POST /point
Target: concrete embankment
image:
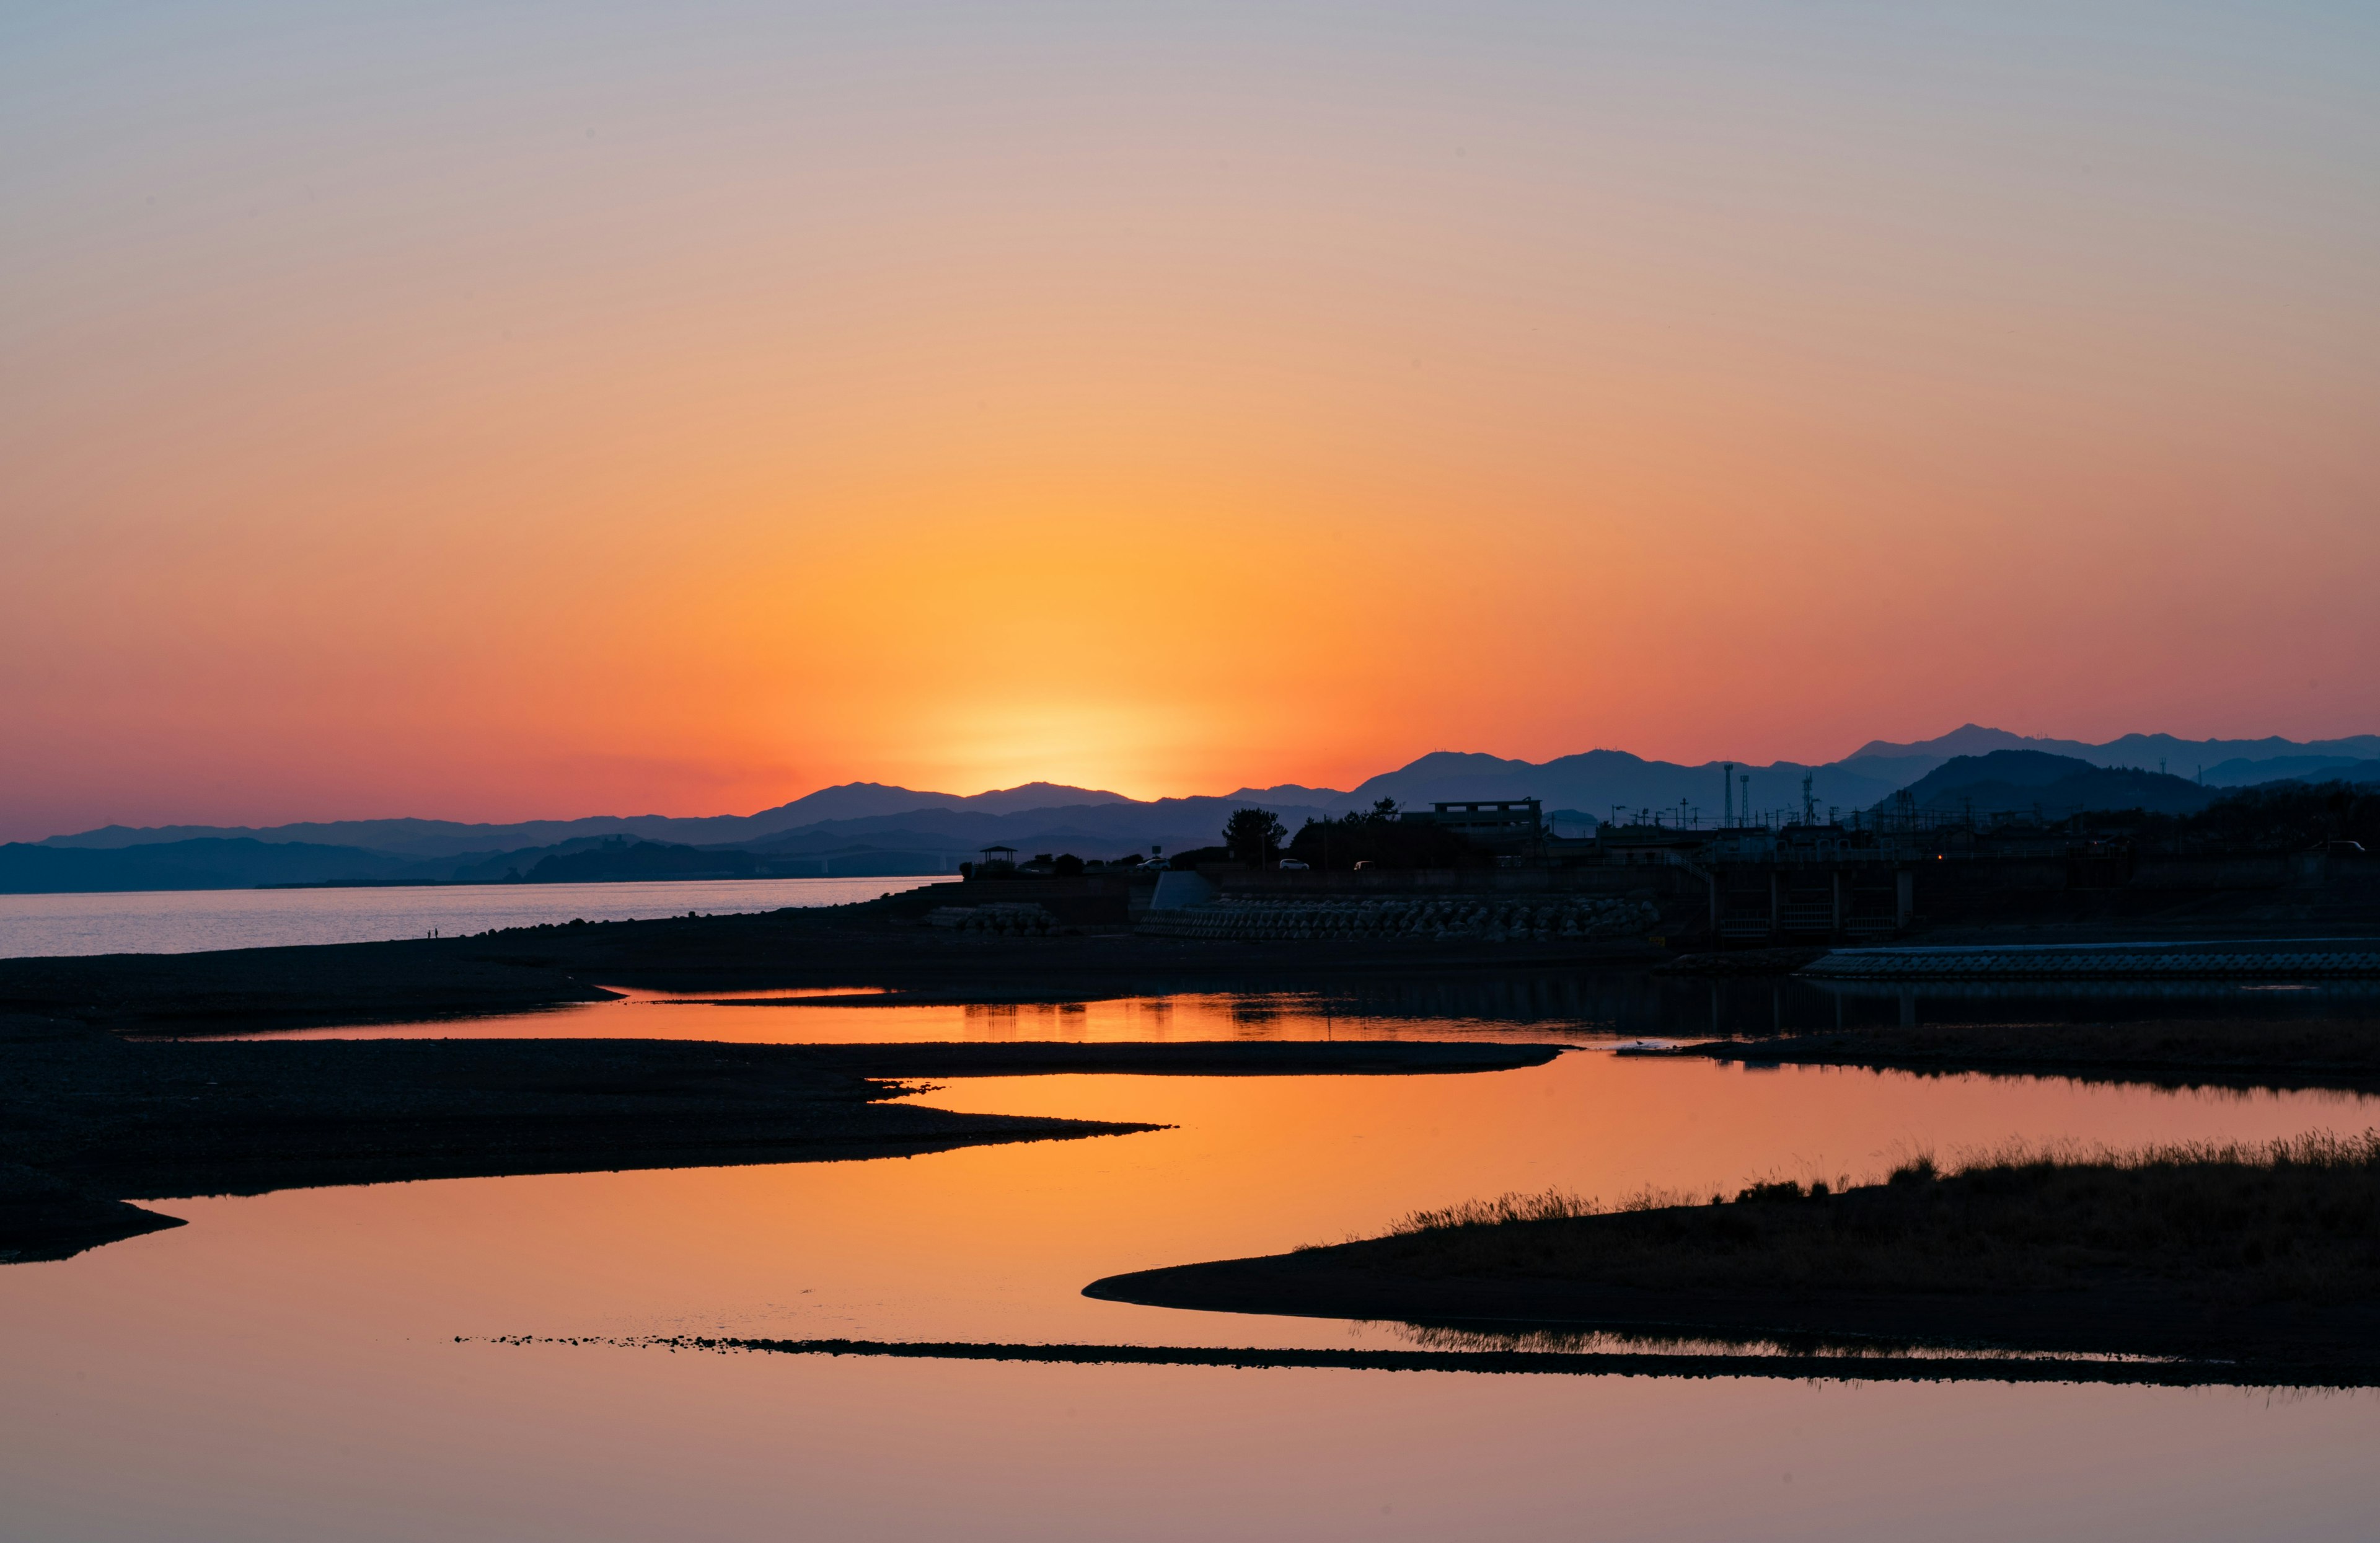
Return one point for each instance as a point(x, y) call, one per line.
point(2250, 959)
point(1491, 918)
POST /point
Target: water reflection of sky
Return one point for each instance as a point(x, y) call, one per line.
point(1525, 1005)
point(286, 1366)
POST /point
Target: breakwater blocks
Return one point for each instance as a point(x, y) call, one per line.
point(1003, 918)
point(1470, 918)
point(2248, 960)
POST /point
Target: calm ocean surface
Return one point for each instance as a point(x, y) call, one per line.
point(288, 1367)
point(186, 922)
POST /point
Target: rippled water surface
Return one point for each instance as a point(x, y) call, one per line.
point(288, 1366)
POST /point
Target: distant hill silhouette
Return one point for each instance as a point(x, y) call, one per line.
point(2019, 781)
point(2181, 756)
point(206, 863)
point(441, 838)
point(642, 859)
point(848, 827)
point(1596, 781)
point(2238, 772)
point(862, 800)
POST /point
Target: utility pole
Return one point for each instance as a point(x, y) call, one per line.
point(1727, 788)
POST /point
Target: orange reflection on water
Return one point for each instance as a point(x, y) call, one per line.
point(290, 1361)
point(865, 1015)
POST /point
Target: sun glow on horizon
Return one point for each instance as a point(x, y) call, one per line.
point(1163, 407)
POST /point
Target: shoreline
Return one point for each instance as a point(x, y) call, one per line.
point(2261, 1258)
point(1538, 1362)
point(92, 1121)
point(877, 944)
point(2341, 1053)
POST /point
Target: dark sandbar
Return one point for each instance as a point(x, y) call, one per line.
point(89, 1120)
point(2268, 1258)
point(1848, 1368)
point(2242, 1053)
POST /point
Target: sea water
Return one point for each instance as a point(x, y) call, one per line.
point(186, 921)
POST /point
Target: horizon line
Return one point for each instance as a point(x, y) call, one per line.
point(1109, 794)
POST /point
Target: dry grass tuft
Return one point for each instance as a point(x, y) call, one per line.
point(2292, 1220)
point(1551, 1204)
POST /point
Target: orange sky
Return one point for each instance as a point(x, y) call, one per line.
point(485, 418)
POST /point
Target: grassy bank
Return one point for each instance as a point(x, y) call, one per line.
point(2294, 1221)
point(2268, 1254)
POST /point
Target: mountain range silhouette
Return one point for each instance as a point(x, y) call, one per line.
point(877, 828)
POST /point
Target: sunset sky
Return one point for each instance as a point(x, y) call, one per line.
point(487, 411)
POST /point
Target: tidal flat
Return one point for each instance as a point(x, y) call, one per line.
point(2203, 1051)
point(880, 945)
point(89, 1122)
point(2248, 1260)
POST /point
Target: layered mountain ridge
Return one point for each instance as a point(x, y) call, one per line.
point(874, 828)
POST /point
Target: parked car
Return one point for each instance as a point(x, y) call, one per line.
point(1287, 863)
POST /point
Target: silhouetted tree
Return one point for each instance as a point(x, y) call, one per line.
point(2277, 817)
point(1255, 835)
point(1377, 837)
